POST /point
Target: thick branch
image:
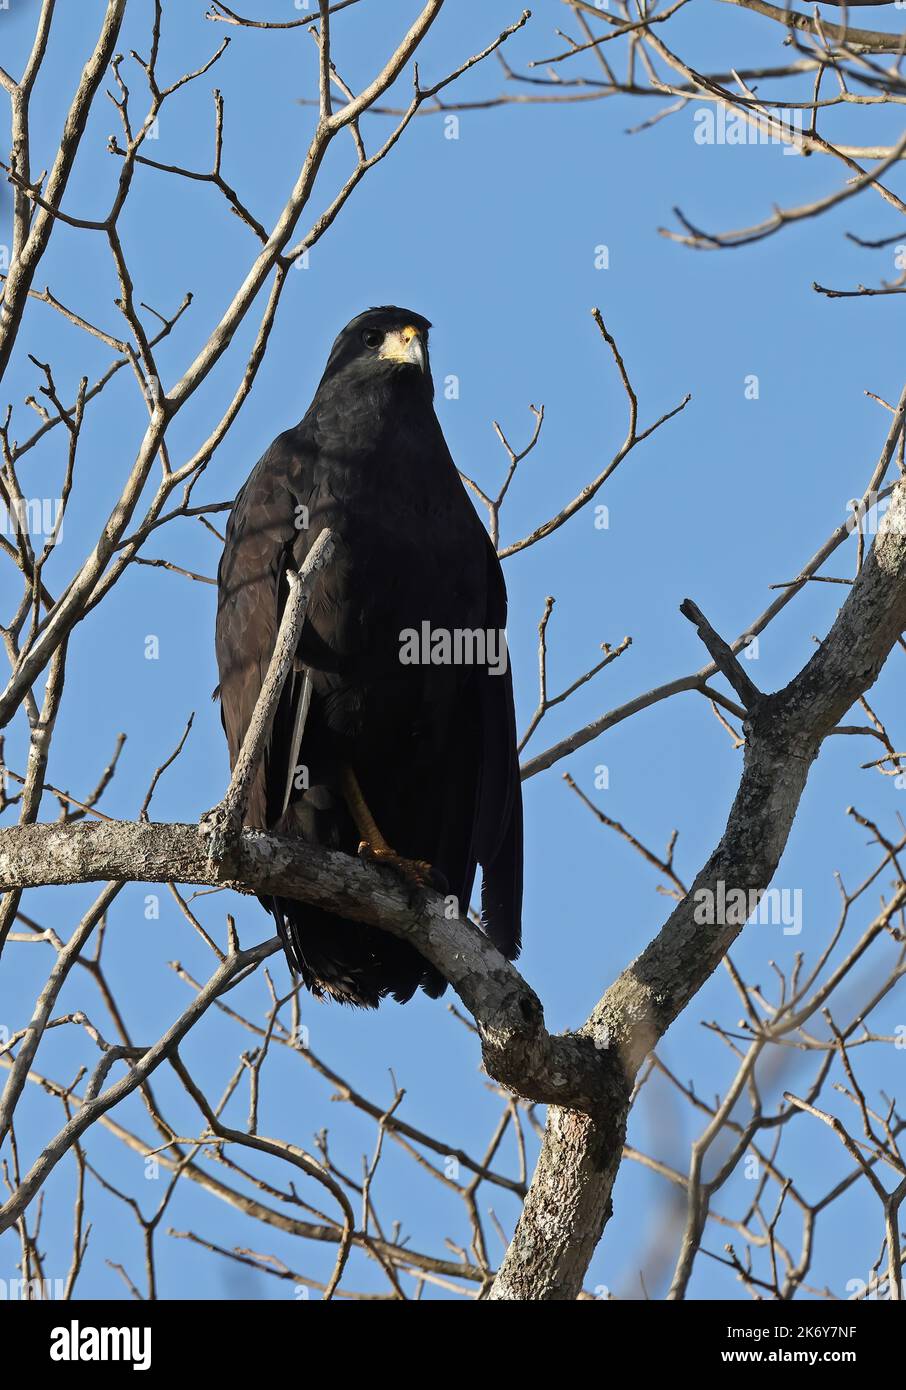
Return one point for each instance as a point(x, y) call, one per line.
point(518, 1051)
point(569, 1200)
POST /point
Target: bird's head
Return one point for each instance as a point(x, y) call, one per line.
point(386, 342)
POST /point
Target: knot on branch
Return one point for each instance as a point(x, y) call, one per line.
point(221, 829)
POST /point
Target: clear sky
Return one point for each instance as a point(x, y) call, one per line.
point(494, 237)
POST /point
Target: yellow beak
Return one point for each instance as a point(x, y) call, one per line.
point(404, 345)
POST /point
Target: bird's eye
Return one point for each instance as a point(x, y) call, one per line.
point(372, 337)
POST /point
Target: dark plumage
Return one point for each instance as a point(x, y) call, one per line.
point(432, 747)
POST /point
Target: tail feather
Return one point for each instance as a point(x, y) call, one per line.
point(501, 889)
point(351, 962)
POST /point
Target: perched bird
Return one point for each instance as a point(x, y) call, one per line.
point(401, 686)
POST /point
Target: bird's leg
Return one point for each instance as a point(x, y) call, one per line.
point(373, 846)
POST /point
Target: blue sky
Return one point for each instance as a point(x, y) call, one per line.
point(493, 237)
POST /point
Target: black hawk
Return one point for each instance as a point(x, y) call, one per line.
point(408, 751)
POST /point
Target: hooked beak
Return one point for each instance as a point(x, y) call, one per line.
point(405, 345)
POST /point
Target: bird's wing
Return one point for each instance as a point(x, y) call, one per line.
point(284, 754)
point(252, 591)
point(300, 716)
point(498, 838)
